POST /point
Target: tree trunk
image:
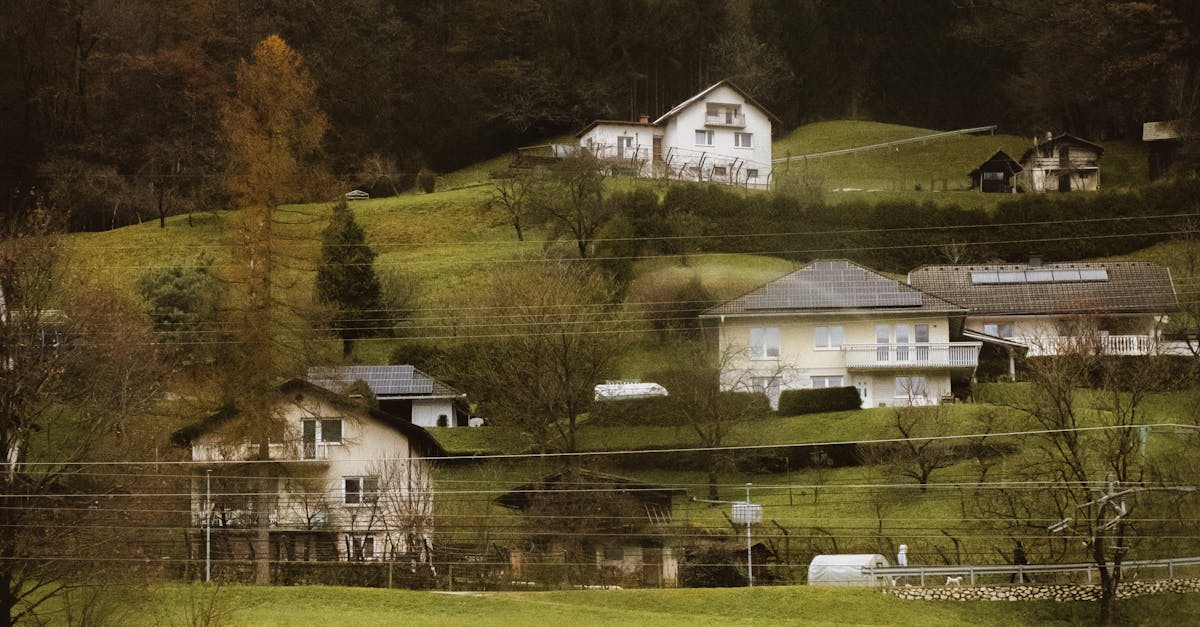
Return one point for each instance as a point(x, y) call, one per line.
point(347, 347)
point(262, 539)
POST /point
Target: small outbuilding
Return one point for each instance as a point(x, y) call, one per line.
point(996, 175)
point(1062, 163)
point(847, 570)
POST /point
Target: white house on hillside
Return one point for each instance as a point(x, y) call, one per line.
point(338, 481)
point(1062, 163)
point(402, 391)
point(834, 323)
point(721, 135)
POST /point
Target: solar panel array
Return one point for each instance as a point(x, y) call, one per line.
point(832, 285)
point(1040, 275)
point(383, 380)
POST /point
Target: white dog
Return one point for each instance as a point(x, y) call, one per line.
point(954, 581)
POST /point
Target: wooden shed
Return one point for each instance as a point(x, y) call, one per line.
point(996, 175)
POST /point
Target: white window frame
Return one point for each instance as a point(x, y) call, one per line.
point(764, 343)
point(743, 140)
point(708, 135)
point(835, 336)
point(911, 386)
point(997, 329)
point(827, 381)
point(362, 495)
point(751, 173)
point(720, 170)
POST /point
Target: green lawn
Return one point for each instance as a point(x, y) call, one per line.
point(278, 606)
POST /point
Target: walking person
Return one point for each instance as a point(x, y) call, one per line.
point(1019, 559)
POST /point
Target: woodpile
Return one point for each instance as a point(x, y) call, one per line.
point(1061, 593)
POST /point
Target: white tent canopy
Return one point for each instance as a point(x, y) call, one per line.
point(846, 570)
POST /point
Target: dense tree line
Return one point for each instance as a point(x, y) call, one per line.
point(111, 108)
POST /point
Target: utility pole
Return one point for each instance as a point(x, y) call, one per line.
point(749, 553)
point(208, 526)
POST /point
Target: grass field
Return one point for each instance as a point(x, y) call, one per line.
point(282, 607)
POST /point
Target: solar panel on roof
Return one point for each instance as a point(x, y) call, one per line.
point(383, 380)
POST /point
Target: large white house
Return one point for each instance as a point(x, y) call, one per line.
point(1116, 308)
point(721, 135)
point(834, 323)
point(337, 481)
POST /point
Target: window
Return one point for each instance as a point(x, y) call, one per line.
point(614, 553)
point(993, 176)
point(902, 352)
point(768, 386)
point(922, 336)
point(827, 382)
point(361, 490)
point(443, 421)
point(719, 170)
point(751, 173)
point(361, 548)
point(764, 343)
point(828, 337)
point(317, 433)
point(998, 329)
point(883, 336)
point(743, 140)
point(910, 387)
point(704, 138)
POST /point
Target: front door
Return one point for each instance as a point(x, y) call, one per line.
point(864, 391)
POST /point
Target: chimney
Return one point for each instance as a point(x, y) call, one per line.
point(644, 119)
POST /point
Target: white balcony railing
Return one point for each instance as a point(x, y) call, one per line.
point(910, 356)
point(736, 120)
point(291, 451)
point(1105, 344)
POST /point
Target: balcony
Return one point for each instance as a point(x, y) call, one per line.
point(292, 451)
point(1099, 344)
point(911, 356)
point(726, 120)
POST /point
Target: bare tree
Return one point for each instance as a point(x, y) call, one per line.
point(918, 453)
point(714, 398)
point(571, 201)
point(512, 195)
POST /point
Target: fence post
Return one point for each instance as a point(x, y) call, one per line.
point(391, 563)
point(972, 572)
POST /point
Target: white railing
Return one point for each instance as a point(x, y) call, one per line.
point(948, 355)
point(721, 119)
point(275, 451)
point(1106, 344)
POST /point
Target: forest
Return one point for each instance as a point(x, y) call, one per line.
point(111, 109)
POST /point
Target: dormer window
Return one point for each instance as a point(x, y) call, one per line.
point(724, 114)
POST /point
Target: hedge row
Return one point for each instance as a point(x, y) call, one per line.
point(661, 410)
point(818, 401)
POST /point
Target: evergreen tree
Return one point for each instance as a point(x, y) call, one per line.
point(346, 279)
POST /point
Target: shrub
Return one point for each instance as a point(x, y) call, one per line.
point(654, 410)
point(818, 401)
point(427, 181)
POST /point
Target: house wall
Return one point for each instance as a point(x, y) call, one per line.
point(1041, 170)
point(425, 413)
point(1039, 331)
point(601, 142)
point(799, 360)
point(680, 133)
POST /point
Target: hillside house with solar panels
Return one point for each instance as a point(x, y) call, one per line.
point(343, 482)
point(719, 135)
point(402, 391)
point(834, 323)
point(1117, 308)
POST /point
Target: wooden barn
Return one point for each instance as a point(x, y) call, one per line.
point(996, 175)
point(1061, 163)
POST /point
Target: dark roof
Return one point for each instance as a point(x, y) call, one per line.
point(832, 285)
point(1061, 139)
point(417, 437)
point(999, 162)
point(385, 381)
point(1127, 287)
point(583, 480)
point(596, 123)
point(681, 106)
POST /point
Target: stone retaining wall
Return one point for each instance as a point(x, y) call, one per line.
point(1047, 592)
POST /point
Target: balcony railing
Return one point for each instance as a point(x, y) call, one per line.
point(910, 356)
point(276, 451)
point(1104, 344)
point(733, 120)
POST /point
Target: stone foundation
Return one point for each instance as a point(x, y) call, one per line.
point(1061, 593)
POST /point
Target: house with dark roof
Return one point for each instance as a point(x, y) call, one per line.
point(402, 391)
point(336, 480)
point(835, 323)
point(720, 134)
point(609, 529)
point(1061, 163)
point(996, 175)
point(1115, 307)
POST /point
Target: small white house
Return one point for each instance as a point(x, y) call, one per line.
point(402, 391)
point(624, 390)
point(720, 135)
point(1062, 163)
